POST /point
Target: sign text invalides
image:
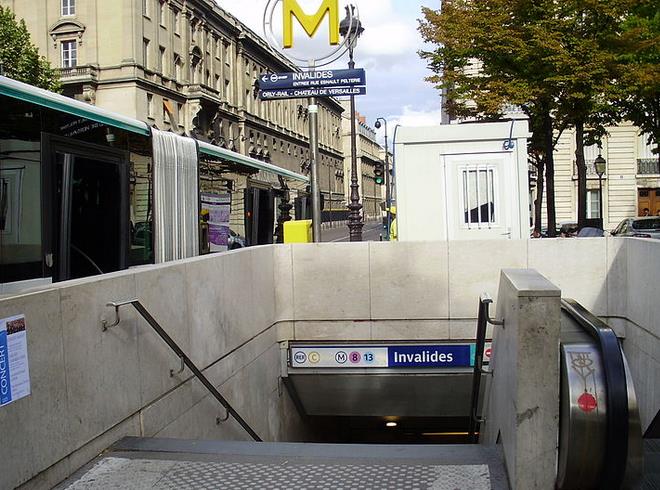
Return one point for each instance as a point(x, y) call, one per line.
point(313, 79)
point(459, 355)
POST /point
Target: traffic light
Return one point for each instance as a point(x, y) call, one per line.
point(379, 173)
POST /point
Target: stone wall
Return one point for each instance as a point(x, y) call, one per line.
point(230, 311)
point(91, 388)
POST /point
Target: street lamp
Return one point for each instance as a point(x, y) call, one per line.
point(351, 29)
point(600, 165)
point(388, 193)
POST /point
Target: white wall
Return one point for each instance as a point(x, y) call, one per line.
point(429, 186)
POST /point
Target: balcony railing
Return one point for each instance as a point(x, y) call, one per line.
point(648, 166)
point(591, 170)
point(78, 72)
point(197, 90)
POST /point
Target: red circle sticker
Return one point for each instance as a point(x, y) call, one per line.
point(488, 352)
point(587, 402)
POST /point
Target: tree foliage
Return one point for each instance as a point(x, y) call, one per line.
point(560, 62)
point(638, 80)
point(20, 58)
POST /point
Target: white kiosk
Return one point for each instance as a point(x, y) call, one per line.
point(462, 181)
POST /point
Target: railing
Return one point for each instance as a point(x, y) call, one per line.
point(78, 72)
point(648, 166)
point(616, 452)
point(482, 322)
point(591, 170)
point(185, 360)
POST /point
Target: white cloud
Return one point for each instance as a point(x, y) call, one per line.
point(387, 50)
point(410, 118)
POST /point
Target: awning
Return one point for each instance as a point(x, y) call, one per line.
point(44, 98)
point(225, 154)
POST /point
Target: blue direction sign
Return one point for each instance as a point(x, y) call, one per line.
point(313, 79)
point(311, 92)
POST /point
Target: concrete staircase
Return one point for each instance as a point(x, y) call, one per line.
point(185, 464)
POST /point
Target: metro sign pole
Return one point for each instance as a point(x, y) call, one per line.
point(315, 83)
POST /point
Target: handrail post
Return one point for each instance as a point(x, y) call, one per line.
point(482, 321)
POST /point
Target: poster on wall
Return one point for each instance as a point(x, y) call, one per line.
point(219, 208)
point(14, 368)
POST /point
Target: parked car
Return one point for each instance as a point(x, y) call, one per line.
point(648, 227)
point(590, 232)
point(234, 241)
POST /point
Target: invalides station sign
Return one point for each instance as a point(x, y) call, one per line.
point(287, 24)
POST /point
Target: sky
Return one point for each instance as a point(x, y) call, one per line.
point(387, 50)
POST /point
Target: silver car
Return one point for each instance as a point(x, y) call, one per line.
point(647, 227)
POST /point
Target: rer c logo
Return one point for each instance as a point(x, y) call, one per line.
point(310, 23)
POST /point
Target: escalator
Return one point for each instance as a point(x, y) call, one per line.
point(600, 442)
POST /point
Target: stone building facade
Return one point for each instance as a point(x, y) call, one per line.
point(368, 154)
point(631, 182)
point(185, 66)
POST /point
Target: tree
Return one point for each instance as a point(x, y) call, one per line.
point(552, 59)
point(20, 59)
point(585, 68)
point(513, 43)
point(638, 81)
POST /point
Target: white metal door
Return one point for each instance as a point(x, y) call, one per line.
point(477, 204)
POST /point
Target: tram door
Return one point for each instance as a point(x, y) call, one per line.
point(86, 217)
point(259, 216)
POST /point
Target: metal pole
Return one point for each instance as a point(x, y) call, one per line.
point(600, 201)
point(330, 195)
point(388, 192)
point(314, 164)
point(354, 219)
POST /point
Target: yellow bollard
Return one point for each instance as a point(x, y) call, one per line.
point(299, 231)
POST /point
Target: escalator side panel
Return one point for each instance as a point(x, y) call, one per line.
point(600, 445)
point(635, 465)
point(583, 422)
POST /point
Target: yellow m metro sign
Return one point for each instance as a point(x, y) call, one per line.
point(310, 23)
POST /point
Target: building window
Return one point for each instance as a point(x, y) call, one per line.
point(162, 61)
point(146, 10)
point(167, 113)
point(478, 195)
point(177, 67)
point(68, 7)
point(177, 22)
point(150, 105)
point(69, 54)
point(593, 204)
point(644, 147)
point(162, 13)
point(145, 52)
point(179, 114)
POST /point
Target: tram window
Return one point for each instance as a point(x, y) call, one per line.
point(20, 210)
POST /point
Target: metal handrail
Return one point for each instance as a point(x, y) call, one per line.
point(616, 451)
point(482, 322)
point(182, 355)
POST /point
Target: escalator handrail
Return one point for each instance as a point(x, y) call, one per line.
point(482, 322)
point(476, 376)
point(616, 451)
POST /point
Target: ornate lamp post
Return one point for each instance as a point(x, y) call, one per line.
point(388, 189)
point(351, 29)
point(601, 166)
